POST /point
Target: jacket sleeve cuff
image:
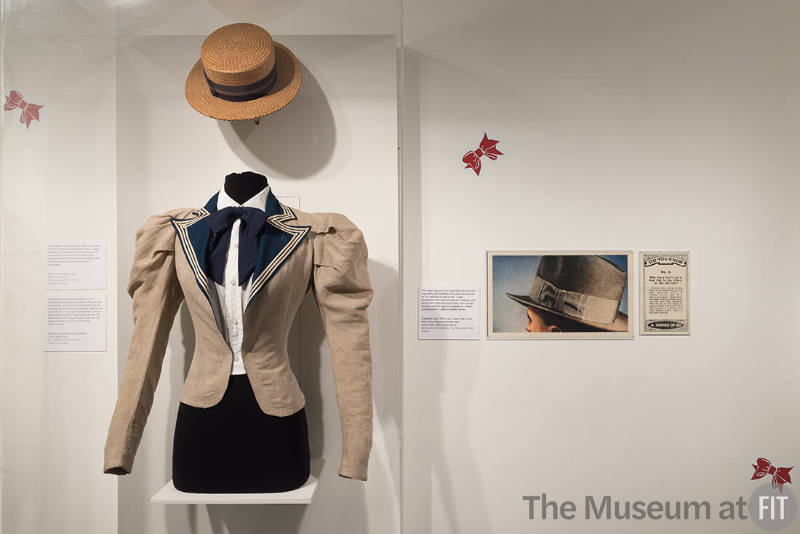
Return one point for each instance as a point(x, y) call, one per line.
point(118, 462)
point(355, 455)
point(354, 470)
point(119, 470)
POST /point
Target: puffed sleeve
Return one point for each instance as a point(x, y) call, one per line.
point(342, 288)
point(153, 286)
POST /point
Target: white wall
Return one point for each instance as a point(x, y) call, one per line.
point(58, 182)
point(626, 125)
point(118, 142)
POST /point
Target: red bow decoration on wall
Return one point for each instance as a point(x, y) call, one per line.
point(488, 148)
point(780, 475)
point(29, 111)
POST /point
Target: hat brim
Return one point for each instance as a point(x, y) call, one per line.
point(620, 323)
point(199, 96)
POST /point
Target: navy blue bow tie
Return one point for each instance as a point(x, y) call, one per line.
point(221, 222)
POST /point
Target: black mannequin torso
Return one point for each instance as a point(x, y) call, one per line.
point(233, 446)
point(242, 186)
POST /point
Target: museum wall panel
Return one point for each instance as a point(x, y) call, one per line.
point(624, 125)
point(80, 173)
point(58, 183)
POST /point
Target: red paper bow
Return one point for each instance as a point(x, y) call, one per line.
point(487, 148)
point(29, 111)
point(780, 475)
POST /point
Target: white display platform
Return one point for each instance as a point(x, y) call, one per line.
point(302, 495)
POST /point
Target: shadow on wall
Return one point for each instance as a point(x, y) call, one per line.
point(432, 488)
point(384, 344)
point(296, 141)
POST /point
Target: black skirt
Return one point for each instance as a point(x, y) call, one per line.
point(234, 447)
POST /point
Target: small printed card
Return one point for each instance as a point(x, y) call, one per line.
point(75, 264)
point(449, 312)
point(75, 321)
point(664, 293)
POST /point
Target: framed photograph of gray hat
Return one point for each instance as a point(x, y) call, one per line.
point(575, 294)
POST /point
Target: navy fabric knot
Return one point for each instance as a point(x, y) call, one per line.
point(221, 223)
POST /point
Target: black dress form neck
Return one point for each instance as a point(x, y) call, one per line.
point(242, 186)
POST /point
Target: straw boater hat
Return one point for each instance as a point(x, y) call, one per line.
point(242, 74)
point(585, 289)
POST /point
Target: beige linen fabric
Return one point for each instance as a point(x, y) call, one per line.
point(331, 261)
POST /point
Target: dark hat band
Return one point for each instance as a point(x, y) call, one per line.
point(573, 303)
point(242, 93)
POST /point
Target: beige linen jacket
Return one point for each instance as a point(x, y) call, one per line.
point(298, 251)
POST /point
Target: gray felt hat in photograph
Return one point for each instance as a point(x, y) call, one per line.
point(584, 288)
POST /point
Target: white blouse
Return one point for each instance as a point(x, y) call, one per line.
point(232, 296)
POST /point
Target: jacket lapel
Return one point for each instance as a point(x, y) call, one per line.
point(277, 242)
point(194, 234)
